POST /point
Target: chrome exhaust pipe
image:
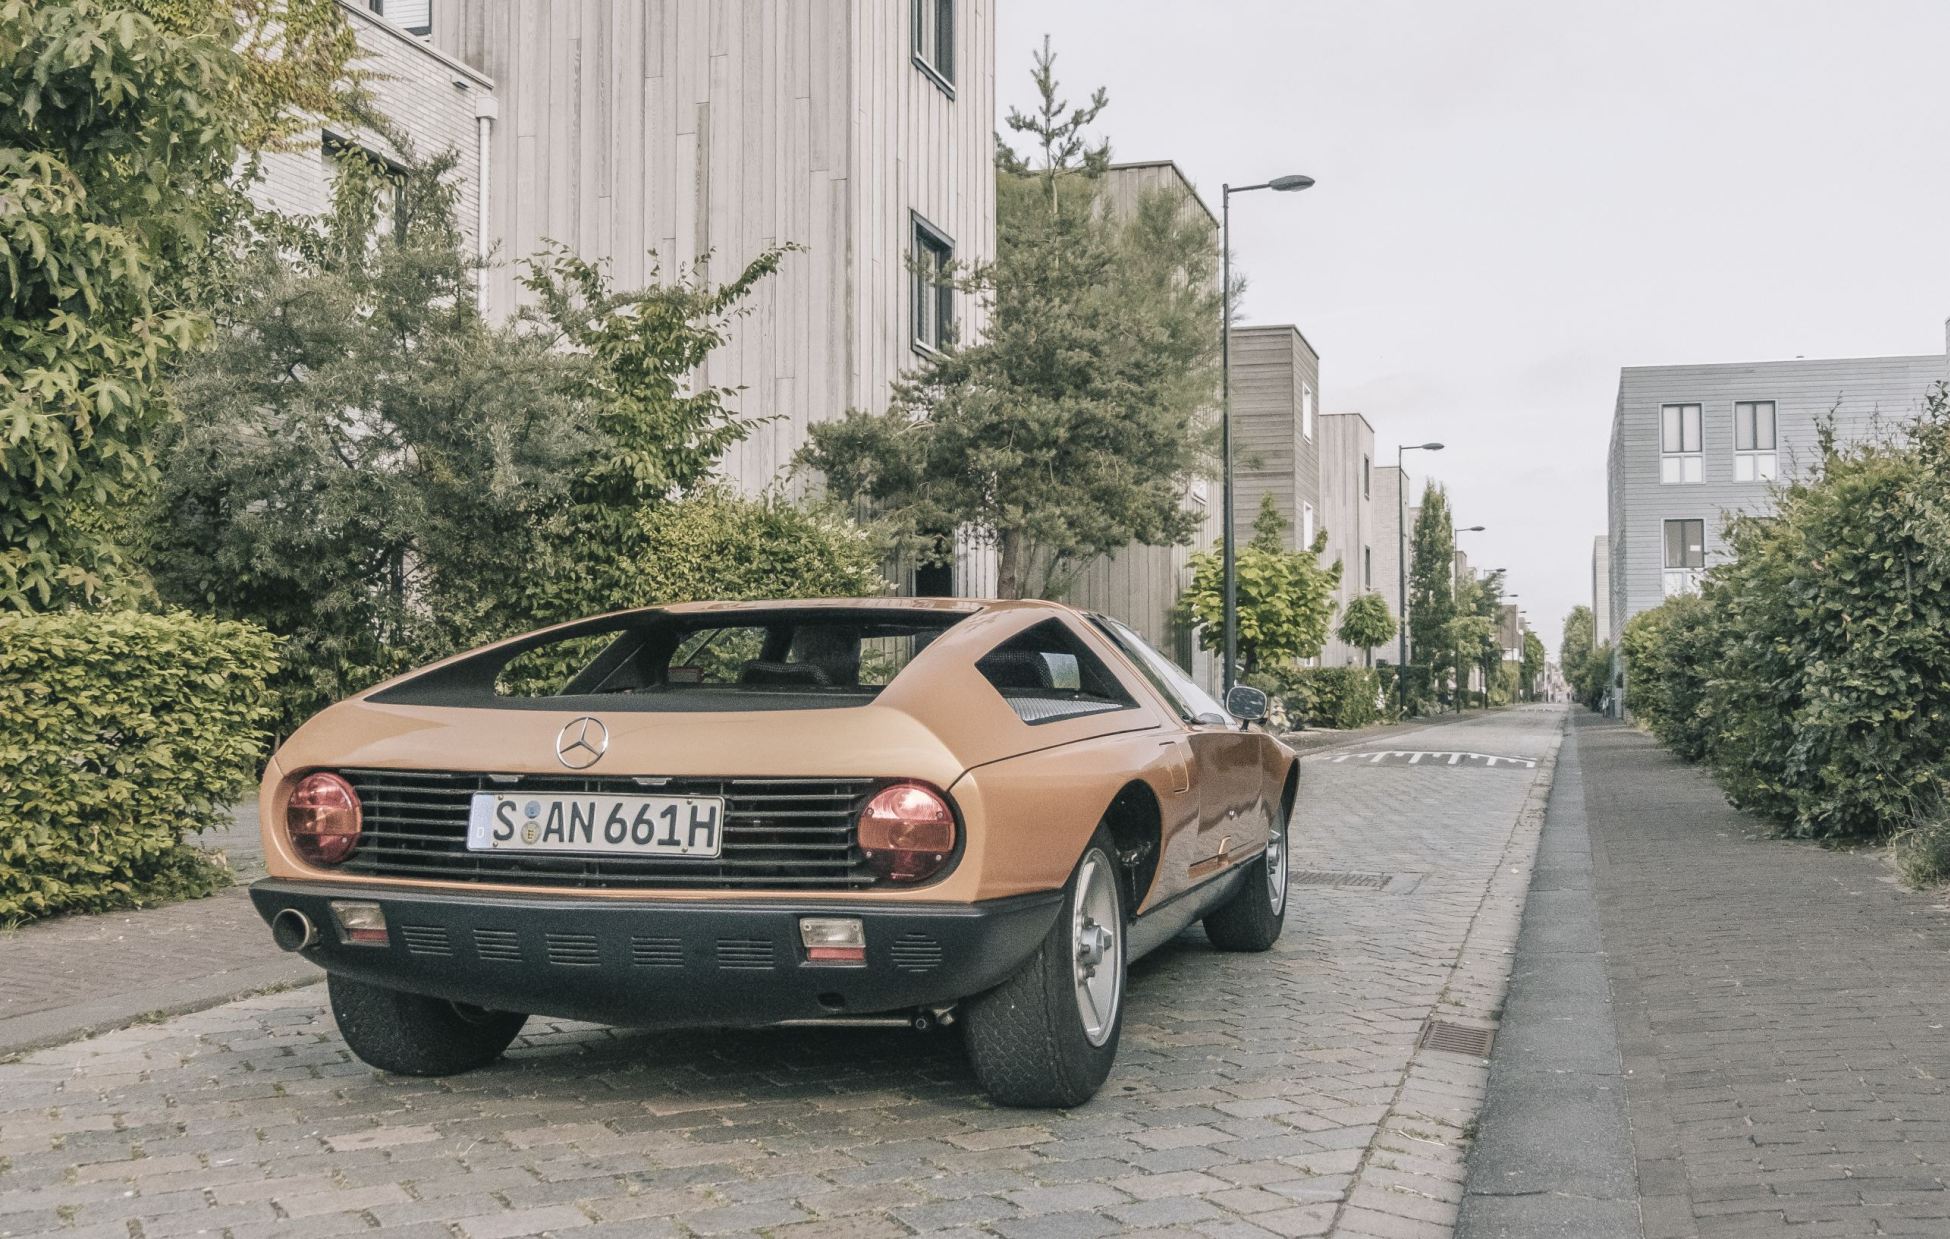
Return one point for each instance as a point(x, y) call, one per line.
point(292, 930)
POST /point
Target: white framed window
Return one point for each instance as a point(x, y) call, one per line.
point(934, 296)
point(1681, 457)
point(1367, 567)
point(1754, 455)
point(1306, 525)
point(934, 41)
point(1685, 556)
point(1306, 411)
point(414, 16)
point(1367, 479)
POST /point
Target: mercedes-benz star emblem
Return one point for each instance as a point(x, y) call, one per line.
point(581, 743)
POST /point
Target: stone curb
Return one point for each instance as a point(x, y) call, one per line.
point(57, 1025)
point(1416, 1167)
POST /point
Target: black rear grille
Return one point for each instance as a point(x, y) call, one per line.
point(795, 834)
point(916, 952)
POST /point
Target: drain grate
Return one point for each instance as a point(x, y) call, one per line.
point(1341, 880)
point(1458, 1039)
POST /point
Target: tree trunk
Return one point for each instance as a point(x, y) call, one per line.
point(1010, 554)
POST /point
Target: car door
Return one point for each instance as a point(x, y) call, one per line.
point(1225, 762)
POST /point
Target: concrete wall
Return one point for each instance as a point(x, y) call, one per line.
point(1348, 496)
point(653, 133)
point(1863, 395)
point(430, 96)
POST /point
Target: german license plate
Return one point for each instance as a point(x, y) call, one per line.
point(600, 825)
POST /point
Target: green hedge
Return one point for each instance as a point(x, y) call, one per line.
point(1340, 697)
point(1810, 675)
point(119, 732)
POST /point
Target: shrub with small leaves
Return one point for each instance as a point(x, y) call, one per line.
point(120, 733)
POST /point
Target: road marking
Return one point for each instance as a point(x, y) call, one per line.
point(1414, 757)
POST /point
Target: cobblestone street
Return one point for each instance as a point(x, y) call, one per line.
point(1282, 1094)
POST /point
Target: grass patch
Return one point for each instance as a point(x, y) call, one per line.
point(1922, 853)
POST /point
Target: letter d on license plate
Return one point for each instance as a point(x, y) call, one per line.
point(596, 825)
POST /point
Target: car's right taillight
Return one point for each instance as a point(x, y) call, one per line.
point(907, 832)
point(322, 817)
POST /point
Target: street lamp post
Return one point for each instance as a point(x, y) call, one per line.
point(1455, 591)
point(1280, 184)
point(1401, 565)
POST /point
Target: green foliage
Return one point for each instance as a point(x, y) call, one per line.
point(109, 129)
point(1580, 634)
point(366, 467)
point(717, 545)
point(1367, 622)
point(1671, 652)
point(1341, 697)
point(1285, 598)
point(1827, 707)
point(119, 733)
point(1431, 588)
point(1075, 425)
point(1591, 676)
point(1534, 660)
point(659, 432)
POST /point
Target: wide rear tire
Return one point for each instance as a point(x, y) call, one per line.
point(413, 1035)
point(1047, 1036)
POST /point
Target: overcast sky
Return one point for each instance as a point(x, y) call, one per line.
point(1516, 199)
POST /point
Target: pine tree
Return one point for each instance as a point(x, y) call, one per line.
point(1074, 426)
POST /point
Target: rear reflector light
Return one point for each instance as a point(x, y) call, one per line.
point(833, 939)
point(362, 923)
point(907, 832)
point(323, 819)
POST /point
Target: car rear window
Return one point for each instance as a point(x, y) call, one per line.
point(1047, 674)
point(789, 658)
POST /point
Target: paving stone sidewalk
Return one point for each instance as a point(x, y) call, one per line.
point(1281, 1094)
point(1781, 1017)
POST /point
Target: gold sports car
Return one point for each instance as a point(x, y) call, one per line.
point(869, 812)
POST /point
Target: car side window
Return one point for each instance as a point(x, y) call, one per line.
point(1193, 703)
point(1046, 674)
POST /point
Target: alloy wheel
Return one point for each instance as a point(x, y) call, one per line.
point(1096, 954)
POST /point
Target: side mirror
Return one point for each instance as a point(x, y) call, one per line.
point(1246, 703)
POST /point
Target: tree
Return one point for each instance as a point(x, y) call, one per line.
point(1286, 598)
point(1579, 634)
point(1431, 586)
point(716, 544)
point(1366, 623)
point(1534, 658)
point(109, 127)
point(370, 468)
point(1075, 425)
point(659, 433)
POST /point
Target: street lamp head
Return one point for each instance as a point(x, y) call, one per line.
point(1290, 184)
point(1428, 447)
point(1471, 529)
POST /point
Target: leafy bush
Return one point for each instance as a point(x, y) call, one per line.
point(1922, 852)
point(1671, 652)
point(119, 732)
point(1591, 676)
point(1339, 697)
point(717, 544)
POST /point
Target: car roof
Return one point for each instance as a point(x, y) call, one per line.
point(962, 606)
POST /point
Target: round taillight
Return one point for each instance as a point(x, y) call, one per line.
point(322, 818)
point(907, 833)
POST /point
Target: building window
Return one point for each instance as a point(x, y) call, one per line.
point(1685, 556)
point(1306, 526)
point(1367, 567)
point(1753, 441)
point(934, 296)
point(1306, 411)
point(1367, 479)
point(934, 41)
point(390, 208)
point(1680, 455)
point(413, 16)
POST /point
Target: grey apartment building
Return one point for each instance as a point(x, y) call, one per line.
point(1692, 444)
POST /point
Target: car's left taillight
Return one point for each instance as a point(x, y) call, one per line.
point(322, 817)
point(907, 832)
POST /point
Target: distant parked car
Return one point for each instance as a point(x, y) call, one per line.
point(889, 811)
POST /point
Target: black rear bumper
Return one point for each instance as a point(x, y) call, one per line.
point(667, 963)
